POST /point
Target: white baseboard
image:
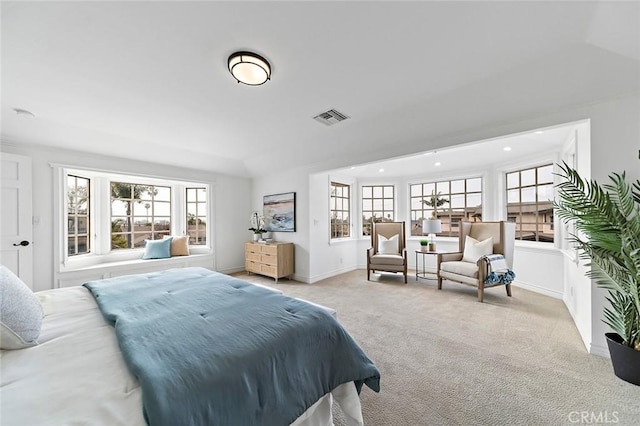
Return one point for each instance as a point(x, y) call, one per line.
point(231, 270)
point(537, 289)
point(332, 274)
point(599, 350)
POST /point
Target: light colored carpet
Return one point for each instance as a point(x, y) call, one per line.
point(446, 359)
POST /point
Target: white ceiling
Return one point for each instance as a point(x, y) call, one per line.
point(148, 80)
point(476, 157)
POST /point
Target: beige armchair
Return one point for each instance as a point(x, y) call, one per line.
point(456, 267)
point(388, 250)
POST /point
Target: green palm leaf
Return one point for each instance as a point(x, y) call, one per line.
point(607, 220)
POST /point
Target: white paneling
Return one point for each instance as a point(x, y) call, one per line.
point(117, 269)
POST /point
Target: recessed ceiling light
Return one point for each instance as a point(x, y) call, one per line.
point(353, 167)
point(539, 132)
point(381, 170)
point(437, 164)
point(429, 153)
point(506, 148)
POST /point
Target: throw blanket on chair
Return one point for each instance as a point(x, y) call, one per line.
point(497, 270)
point(210, 349)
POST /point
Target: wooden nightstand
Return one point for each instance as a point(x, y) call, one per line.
point(274, 260)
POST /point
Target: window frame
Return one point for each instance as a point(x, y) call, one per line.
point(373, 210)
point(446, 210)
point(198, 216)
point(100, 206)
point(535, 188)
point(335, 183)
point(130, 234)
point(76, 235)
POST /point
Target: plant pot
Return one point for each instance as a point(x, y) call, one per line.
point(424, 249)
point(625, 360)
point(256, 237)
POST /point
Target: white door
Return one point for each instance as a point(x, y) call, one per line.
point(16, 230)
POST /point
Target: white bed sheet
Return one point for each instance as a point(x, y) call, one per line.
point(77, 375)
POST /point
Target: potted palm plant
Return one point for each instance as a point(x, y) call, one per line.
point(607, 221)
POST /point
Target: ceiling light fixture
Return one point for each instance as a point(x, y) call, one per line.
point(506, 148)
point(381, 170)
point(437, 164)
point(249, 68)
point(539, 132)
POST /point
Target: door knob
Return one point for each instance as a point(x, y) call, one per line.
point(22, 243)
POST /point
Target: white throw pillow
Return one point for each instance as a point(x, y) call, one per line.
point(20, 312)
point(474, 249)
point(388, 245)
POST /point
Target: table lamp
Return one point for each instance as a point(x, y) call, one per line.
point(431, 227)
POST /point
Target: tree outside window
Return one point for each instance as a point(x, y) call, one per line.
point(455, 201)
point(78, 226)
point(138, 213)
point(197, 215)
point(340, 210)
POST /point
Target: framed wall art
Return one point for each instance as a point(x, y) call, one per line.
point(279, 211)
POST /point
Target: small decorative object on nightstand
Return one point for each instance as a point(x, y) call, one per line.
point(424, 246)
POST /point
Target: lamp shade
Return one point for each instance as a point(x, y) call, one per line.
point(249, 68)
point(431, 226)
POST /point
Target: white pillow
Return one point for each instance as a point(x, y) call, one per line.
point(388, 245)
point(474, 249)
point(20, 312)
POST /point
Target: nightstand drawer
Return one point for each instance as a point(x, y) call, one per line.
point(267, 259)
point(252, 267)
point(271, 271)
point(267, 249)
point(255, 257)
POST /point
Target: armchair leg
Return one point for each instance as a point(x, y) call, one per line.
point(480, 293)
point(508, 286)
point(368, 274)
point(439, 282)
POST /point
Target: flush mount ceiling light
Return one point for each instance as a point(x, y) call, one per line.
point(249, 68)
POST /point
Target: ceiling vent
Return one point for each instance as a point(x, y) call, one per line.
point(330, 117)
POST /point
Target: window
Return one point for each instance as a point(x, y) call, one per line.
point(377, 205)
point(340, 209)
point(78, 234)
point(461, 200)
point(123, 211)
point(530, 203)
point(139, 213)
point(197, 215)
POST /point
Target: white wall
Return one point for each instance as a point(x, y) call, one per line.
point(277, 183)
point(231, 195)
point(577, 289)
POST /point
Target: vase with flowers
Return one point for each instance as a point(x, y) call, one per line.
point(257, 226)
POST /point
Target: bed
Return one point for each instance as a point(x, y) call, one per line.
point(84, 371)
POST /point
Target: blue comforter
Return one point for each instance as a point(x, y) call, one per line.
point(209, 349)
